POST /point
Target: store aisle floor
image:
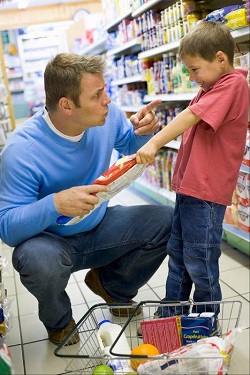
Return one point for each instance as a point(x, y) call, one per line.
point(31, 351)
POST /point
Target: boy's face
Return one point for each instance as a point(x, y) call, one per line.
point(203, 72)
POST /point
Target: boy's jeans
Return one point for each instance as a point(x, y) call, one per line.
point(194, 251)
point(127, 246)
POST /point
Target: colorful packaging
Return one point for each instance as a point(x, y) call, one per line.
point(198, 326)
point(164, 333)
point(207, 356)
point(5, 359)
point(242, 188)
point(244, 217)
point(237, 19)
point(119, 176)
point(231, 215)
point(246, 157)
point(218, 15)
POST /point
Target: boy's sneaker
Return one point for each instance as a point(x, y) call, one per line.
point(139, 330)
point(93, 281)
point(57, 337)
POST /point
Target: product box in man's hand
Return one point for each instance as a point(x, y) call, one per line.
point(198, 326)
point(164, 333)
point(119, 176)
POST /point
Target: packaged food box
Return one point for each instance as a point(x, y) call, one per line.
point(196, 326)
point(164, 333)
point(119, 176)
point(244, 217)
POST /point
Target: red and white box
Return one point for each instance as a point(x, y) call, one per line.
point(164, 333)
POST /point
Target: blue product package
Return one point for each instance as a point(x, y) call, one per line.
point(219, 14)
point(198, 326)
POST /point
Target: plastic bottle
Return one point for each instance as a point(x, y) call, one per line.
point(106, 336)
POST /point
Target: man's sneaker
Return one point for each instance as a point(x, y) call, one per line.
point(57, 337)
point(139, 330)
point(92, 280)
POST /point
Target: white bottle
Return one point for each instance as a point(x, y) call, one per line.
point(106, 336)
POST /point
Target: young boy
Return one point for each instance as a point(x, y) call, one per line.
point(214, 126)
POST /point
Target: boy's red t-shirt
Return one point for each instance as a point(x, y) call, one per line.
point(211, 152)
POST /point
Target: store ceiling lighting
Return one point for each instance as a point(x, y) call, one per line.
point(23, 4)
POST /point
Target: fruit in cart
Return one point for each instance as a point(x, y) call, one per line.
point(143, 349)
point(102, 370)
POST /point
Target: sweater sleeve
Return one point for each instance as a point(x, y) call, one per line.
point(127, 142)
point(21, 215)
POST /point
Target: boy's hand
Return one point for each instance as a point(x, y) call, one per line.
point(145, 121)
point(146, 154)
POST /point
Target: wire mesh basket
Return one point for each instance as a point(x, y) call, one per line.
point(85, 356)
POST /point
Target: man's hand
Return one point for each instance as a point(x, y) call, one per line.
point(78, 200)
point(145, 121)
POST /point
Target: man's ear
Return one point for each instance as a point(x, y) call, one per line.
point(221, 57)
point(65, 104)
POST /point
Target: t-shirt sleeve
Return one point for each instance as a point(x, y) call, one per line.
point(220, 103)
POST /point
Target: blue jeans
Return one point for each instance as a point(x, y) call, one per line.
point(194, 251)
point(127, 247)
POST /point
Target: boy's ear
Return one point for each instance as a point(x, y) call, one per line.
point(221, 57)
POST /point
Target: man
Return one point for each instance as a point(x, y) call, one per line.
point(47, 169)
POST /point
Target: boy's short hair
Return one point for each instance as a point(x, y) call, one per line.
point(206, 39)
point(63, 75)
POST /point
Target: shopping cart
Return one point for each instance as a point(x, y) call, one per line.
point(83, 357)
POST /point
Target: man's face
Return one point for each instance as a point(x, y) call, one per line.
point(203, 72)
point(93, 102)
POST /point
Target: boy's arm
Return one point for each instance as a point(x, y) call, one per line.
point(182, 122)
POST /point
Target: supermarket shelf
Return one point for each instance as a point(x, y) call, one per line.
point(16, 91)
point(95, 48)
point(37, 58)
point(150, 5)
point(124, 81)
point(113, 24)
point(130, 108)
point(170, 97)
point(159, 50)
point(15, 76)
point(133, 45)
point(245, 169)
point(44, 46)
point(241, 35)
point(237, 238)
point(162, 196)
point(173, 144)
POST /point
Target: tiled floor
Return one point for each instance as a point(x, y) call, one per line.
point(31, 351)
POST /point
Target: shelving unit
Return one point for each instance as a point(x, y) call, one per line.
point(112, 25)
point(133, 46)
point(97, 48)
point(35, 49)
point(235, 236)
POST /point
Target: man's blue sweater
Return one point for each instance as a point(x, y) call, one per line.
point(37, 163)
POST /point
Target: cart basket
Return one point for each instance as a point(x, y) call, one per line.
point(83, 357)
